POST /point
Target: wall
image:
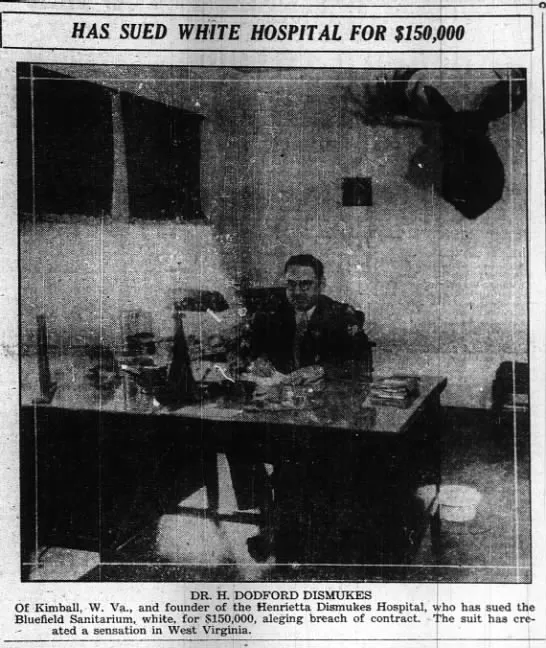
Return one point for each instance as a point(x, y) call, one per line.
point(84, 275)
point(441, 294)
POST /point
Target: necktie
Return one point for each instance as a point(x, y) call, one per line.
point(301, 328)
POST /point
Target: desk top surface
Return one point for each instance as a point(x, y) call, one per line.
point(339, 405)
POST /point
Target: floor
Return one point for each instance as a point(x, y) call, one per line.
point(187, 545)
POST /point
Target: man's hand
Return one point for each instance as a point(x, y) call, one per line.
point(262, 368)
point(306, 375)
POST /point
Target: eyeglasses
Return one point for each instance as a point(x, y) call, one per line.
point(305, 285)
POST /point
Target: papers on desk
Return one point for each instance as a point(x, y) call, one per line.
point(211, 411)
point(516, 403)
point(397, 390)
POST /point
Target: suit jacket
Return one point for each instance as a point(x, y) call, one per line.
point(328, 340)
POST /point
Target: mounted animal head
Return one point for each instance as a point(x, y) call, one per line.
point(458, 158)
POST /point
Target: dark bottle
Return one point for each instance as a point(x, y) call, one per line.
point(180, 382)
point(47, 386)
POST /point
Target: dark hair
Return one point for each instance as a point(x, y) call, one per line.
point(308, 261)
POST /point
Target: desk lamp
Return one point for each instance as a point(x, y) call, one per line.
point(181, 386)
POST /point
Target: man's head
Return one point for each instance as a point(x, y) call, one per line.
point(304, 277)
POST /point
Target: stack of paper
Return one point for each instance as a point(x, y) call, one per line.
point(394, 389)
point(516, 403)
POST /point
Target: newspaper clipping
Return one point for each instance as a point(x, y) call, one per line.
point(273, 322)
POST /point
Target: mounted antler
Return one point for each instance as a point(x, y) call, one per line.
point(386, 102)
point(472, 177)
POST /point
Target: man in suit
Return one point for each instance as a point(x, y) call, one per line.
point(307, 327)
point(303, 329)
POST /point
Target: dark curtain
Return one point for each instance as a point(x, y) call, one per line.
point(65, 127)
point(163, 149)
point(24, 140)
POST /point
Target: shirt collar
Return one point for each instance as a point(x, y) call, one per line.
point(309, 312)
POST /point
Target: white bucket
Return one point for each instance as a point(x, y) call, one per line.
point(458, 503)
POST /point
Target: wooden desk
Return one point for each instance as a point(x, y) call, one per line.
point(97, 468)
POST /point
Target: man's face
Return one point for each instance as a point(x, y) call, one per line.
point(302, 287)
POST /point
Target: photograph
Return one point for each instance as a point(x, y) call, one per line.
point(273, 323)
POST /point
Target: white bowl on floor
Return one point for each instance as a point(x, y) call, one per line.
point(458, 503)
